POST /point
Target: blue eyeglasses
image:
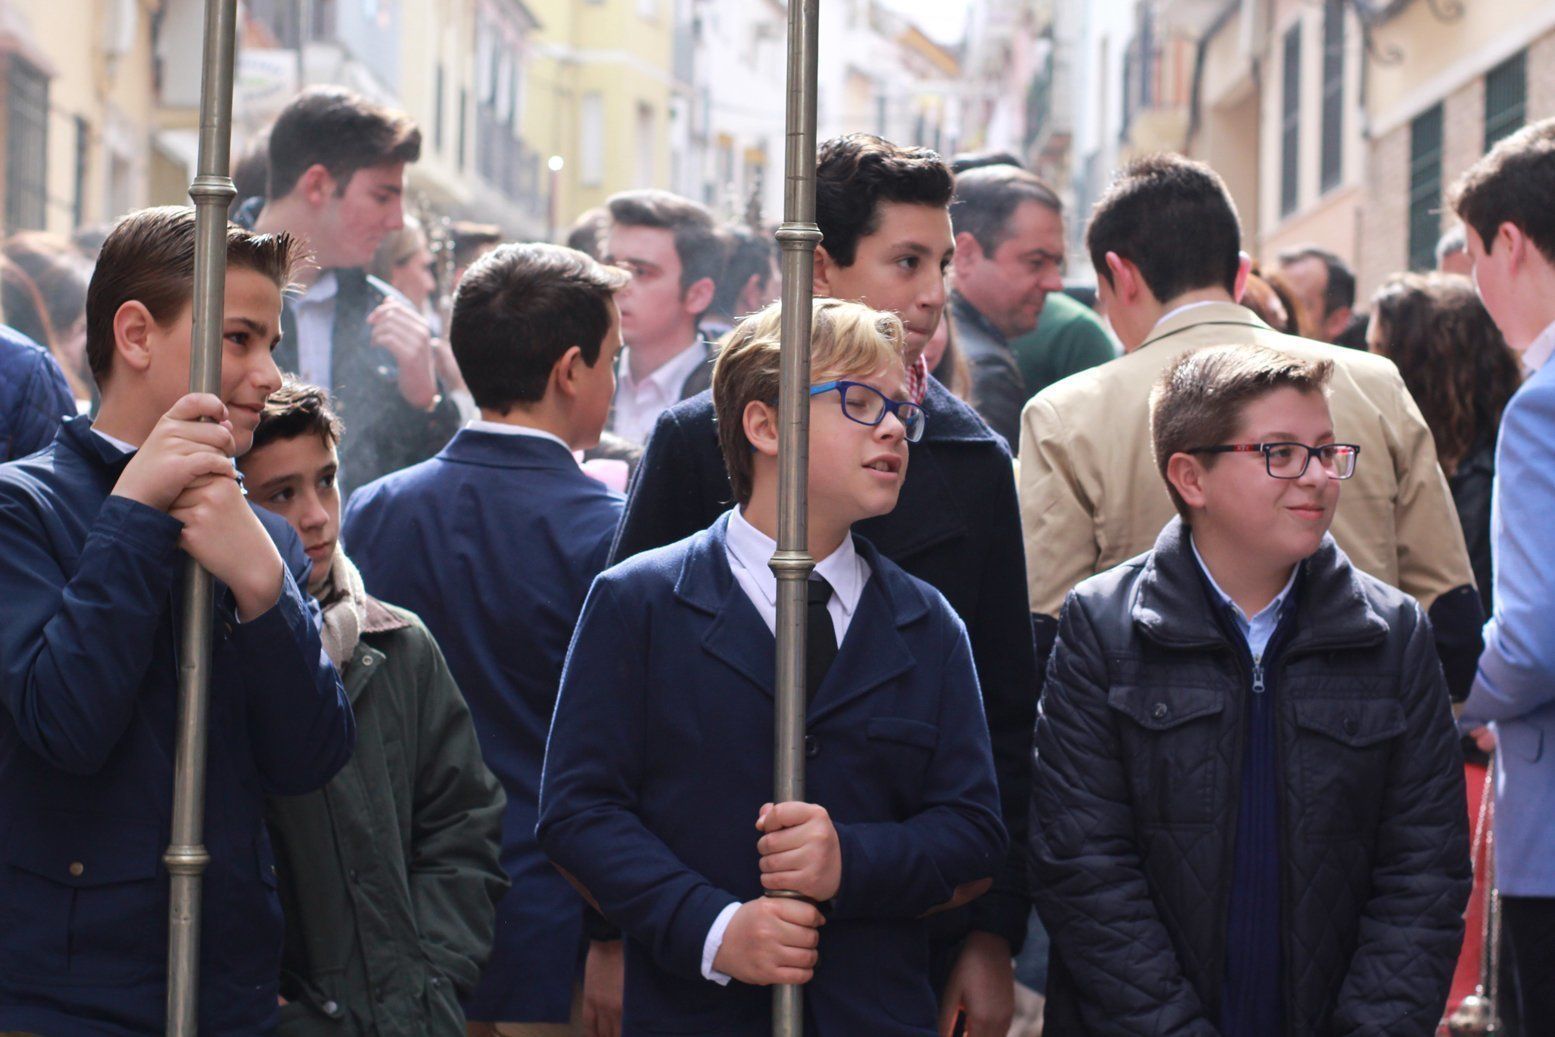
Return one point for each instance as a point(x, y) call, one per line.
point(868, 406)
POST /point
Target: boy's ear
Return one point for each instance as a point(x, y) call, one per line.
point(699, 296)
point(133, 327)
point(1125, 277)
point(567, 370)
point(1186, 474)
point(1244, 267)
point(820, 283)
point(761, 427)
point(316, 186)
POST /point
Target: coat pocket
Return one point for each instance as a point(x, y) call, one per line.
point(1171, 742)
point(1342, 751)
point(80, 895)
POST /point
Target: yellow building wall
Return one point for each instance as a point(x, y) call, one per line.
point(620, 52)
point(112, 93)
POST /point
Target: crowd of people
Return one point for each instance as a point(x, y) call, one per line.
point(1137, 624)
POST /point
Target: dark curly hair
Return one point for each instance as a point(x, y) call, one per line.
point(855, 173)
point(297, 409)
point(1453, 359)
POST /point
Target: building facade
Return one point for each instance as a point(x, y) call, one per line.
point(74, 110)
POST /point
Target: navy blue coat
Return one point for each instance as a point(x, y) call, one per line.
point(90, 592)
point(661, 755)
point(956, 527)
point(34, 396)
point(493, 543)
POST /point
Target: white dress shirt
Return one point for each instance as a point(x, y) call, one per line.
point(1258, 629)
point(1538, 352)
point(639, 404)
point(749, 550)
point(315, 313)
point(1184, 308)
point(502, 428)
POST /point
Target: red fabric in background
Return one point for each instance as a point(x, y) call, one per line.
point(1466, 978)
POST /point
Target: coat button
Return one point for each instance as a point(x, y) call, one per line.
point(367, 660)
point(812, 748)
point(1349, 725)
point(77, 869)
point(437, 981)
point(1159, 712)
point(331, 1007)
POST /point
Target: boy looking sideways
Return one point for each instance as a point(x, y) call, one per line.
point(1248, 808)
point(660, 754)
point(389, 874)
point(93, 533)
point(885, 212)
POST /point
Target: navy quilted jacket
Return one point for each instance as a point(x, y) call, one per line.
point(34, 397)
point(1139, 744)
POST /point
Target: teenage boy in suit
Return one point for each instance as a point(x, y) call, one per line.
point(93, 534)
point(660, 755)
point(885, 213)
point(389, 875)
point(1248, 808)
point(493, 543)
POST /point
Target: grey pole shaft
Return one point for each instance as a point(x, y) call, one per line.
point(186, 858)
point(792, 563)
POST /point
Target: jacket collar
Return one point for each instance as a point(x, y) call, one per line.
point(496, 450)
point(873, 652)
point(952, 420)
point(1331, 607)
point(965, 313)
point(367, 661)
point(77, 434)
point(1210, 313)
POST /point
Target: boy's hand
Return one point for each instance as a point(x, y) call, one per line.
point(405, 334)
point(604, 980)
point(800, 852)
point(223, 534)
point(771, 940)
point(192, 440)
point(981, 989)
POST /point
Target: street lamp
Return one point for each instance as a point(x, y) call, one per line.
point(554, 164)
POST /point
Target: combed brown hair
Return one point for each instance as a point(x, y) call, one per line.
point(148, 257)
point(518, 309)
point(846, 338)
point(297, 409)
point(339, 130)
point(1514, 183)
point(1452, 357)
point(1174, 219)
point(857, 173)
point(697, 241)
point(1199, 399)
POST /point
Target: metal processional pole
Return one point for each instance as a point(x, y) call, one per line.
point(212, 191)
point(792, 563)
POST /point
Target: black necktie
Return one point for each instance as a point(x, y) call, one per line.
point(820, 636)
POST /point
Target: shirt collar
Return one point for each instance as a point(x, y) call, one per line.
point(321, 291)
point(118, 444)
point(1273, 606)
point(753, 549)
point(1184, 308)
point(670, 375)
point(1538, 352)
point(502, 428)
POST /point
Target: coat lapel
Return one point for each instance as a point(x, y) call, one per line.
point(735, 633)
point(874, 650)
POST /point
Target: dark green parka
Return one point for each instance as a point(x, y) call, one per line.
point(389, 875)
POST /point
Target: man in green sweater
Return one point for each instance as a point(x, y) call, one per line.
point(1068, 338)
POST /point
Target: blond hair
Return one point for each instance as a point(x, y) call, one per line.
point(846, 338)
